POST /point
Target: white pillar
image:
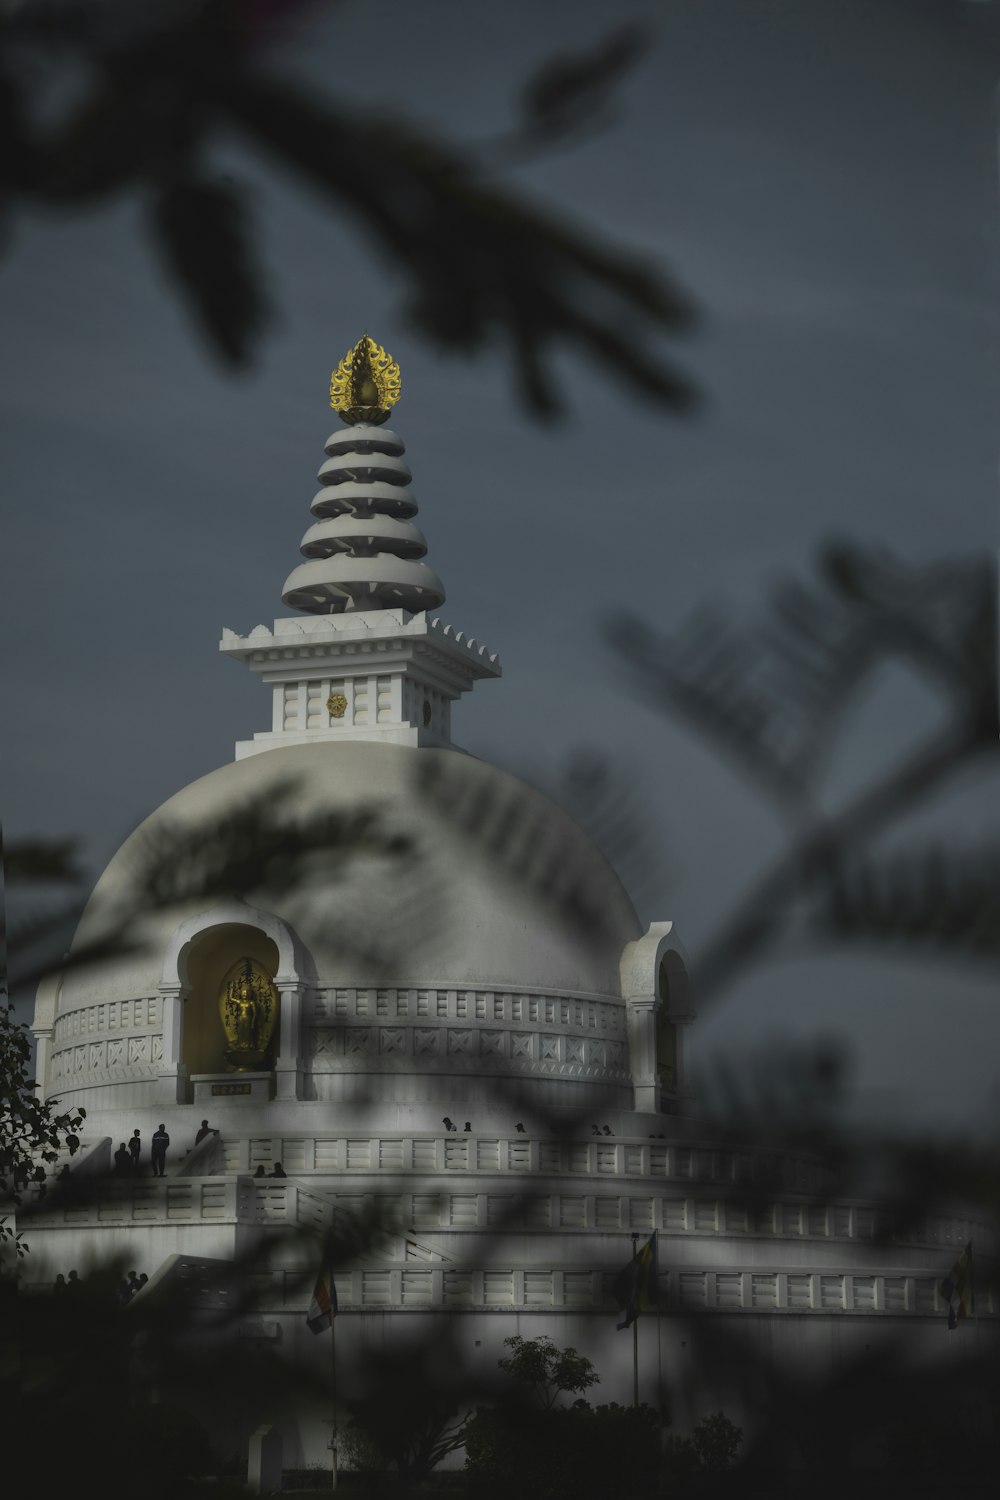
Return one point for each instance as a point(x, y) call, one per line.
point(265, 1461)
point(286, 1065)
point(642, 1052)
point(43, 1046)
point(172, 1087)
point(396, 698)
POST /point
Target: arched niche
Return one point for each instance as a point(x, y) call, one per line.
point(197, 957)
point(674, 1013)
point(210, 957)
point(673, 997)
point(655, 987)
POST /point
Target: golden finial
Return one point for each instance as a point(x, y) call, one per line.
point(365, 384)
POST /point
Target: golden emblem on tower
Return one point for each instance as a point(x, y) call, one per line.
point(248, 1008)
point(365, 384)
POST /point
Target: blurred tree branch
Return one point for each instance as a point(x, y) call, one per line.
point(42, 860)
point(250, 851)
point(569, 98)
point(165, 82)
point(772, 701)
point(31, 1129)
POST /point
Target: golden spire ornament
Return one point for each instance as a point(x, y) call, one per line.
point(365, 384)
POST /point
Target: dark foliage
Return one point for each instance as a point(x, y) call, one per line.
point(772, 699)
point(544, 1372)
point(261, 845)
point(941, 900)
point(201, 229)
point(562, 1453)
point(519, 838)
point(483, 266)
point(692, 1463)
point(607, 799)
point(411, 1437)
point(32, 1130)
point(148, 1393)
point(42, 860)
point(565, 93)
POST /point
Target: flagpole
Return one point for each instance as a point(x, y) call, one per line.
point(635, 1338)
point(333, 1391)
point(659, 1357)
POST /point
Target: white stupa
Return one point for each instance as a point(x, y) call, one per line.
point(433, 986)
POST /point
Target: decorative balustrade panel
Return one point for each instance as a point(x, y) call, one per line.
point(110, 1041)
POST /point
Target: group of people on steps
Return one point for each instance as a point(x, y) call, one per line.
point(128, 1157)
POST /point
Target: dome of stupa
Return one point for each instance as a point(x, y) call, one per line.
point(487, 890)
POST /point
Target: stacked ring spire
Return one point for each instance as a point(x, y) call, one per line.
point(363, 551)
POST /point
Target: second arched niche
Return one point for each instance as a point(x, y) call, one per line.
point(230, 971)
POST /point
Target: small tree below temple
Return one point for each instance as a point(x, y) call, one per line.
point(31, 1129)
point(546, 1371)
point(530, 1446)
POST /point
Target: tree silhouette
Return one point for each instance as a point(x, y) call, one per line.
point(483, 265)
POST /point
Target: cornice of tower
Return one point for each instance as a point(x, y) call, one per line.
point(387, 675)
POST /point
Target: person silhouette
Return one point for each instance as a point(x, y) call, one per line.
point(206, 1129)
point(279, 1170)
point(134, 1148)
point(123, 1161)
point(158, 1151)
point(134, 1284)
point(260, 1171)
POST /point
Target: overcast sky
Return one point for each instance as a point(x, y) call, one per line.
point(821, 177)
